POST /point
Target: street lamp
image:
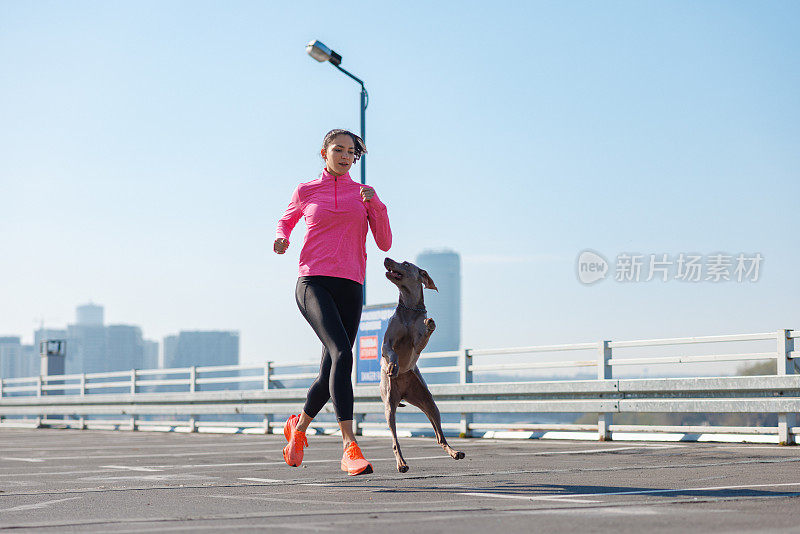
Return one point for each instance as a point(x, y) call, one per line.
point(322, 53)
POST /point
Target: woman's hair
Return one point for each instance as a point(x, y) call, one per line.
point(358, 144)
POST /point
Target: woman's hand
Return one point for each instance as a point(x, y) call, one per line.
point(280, 245)
point(367, 193)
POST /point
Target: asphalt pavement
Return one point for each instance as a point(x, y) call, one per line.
point(133, 482)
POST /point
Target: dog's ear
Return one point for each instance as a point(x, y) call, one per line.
point(426, 280)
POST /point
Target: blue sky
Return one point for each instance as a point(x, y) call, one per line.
point(147, 150)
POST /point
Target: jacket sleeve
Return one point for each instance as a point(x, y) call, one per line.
point(379, 223)
point(290, 217)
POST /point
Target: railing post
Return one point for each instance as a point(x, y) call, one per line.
point(267, 374)
point(39, 394)
point(267, 379)
point(465, 364)
point(785, 367)
point(82, 419)
point(192, 389)
point(604, 373)
point(133, 392)
point(193, 379)
point(358, 424)
point(267, 421)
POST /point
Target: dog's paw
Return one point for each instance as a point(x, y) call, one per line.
point(430, 324)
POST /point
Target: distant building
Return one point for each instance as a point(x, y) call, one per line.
point(201, 349)
point(31, 361)
point(51, 334)
point(125, 348)
point(151, 356)
point(89, 315)
point(86, 349)
point(11, 360)
point(444, 306)
point(169, 350)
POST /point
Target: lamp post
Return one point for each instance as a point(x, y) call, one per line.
point(322, 53)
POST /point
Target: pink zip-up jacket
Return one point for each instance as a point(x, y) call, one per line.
point(337, 220)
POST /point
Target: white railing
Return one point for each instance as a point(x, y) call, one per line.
point(262, 390)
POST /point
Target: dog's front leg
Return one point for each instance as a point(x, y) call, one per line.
point(391, 399)
point(424, 334)
point(390, 360)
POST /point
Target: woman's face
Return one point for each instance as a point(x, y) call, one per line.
point(339, 154)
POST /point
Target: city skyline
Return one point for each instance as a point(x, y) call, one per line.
point(94, 346)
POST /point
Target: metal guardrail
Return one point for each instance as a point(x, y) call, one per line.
point(75, 398)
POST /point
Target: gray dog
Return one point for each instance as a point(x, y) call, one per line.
point(406, 336)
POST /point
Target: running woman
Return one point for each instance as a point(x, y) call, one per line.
point(330, 288)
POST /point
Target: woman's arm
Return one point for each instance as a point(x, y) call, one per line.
point(378, 218)
point(287, 223)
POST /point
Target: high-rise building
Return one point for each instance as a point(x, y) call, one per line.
point(151, 359)
point(444, 306)
point(201, 349)
point(31, 359)
point(11, 358)
point(86, 349)
point(86, 341)
point(89, 315)
point(125, 348)
point(170, 349)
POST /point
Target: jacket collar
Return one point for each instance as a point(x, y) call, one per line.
point(328, 176)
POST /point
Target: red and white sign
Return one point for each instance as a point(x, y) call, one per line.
point(368, 348)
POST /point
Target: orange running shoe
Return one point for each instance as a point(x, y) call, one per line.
point(293, 452)
point(353, 461)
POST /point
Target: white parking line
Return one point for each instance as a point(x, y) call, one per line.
point(679, 490)
point(583, 451)
point(322, 500)
point(22, 459)
point(129, 468)
point(576, 496)
point(565, 498)
point(38, 506)
point(262, 479)
point(259, 451)
point(149, 478)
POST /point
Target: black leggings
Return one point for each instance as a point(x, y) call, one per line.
point(332, 306)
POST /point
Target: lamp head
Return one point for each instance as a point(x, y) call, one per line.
point(322, 53)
